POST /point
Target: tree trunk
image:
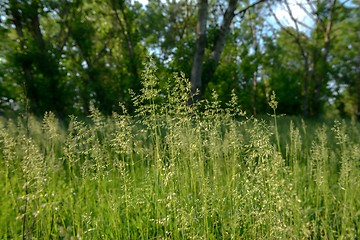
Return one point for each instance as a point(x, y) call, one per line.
point(43, 93)
point(221, 39)
point(255, 93)
point(315, 77)
point(126, 32)
point(197, 76)
point(306, 88)
point(321, 67)
point(255, 74)
point(358, 89)
point(197, 66)
point(26, 66)
point(35, 26)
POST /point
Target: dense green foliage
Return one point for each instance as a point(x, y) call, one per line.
point(171, 172)
point(64, 56)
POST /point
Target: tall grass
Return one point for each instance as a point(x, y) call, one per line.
point(175, 172)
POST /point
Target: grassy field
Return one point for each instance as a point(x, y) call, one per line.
point(171, 172)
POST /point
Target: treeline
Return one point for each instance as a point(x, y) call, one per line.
point(64, 56)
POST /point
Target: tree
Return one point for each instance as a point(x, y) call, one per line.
point(325, 15)
point(283, 72)
point(66, 55)
point(36, 56)
point(201, 28)
point(167, 32)
point(345, 61)
point(314, 49)
point(197, 77)
point(125, 22)
point(301, 41)
point(73, 53)
point(10, 90)
point(252, 32)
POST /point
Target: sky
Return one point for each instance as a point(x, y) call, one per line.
point(282, 14)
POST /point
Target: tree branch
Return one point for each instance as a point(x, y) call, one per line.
point(310, 15)
point(292, 17)
point(243, 11)
point(281, 25)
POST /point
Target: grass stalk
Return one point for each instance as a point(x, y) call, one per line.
point(173, 172)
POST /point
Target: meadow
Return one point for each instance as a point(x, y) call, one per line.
point(175, 172)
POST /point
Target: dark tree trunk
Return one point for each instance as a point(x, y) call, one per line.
point(321, 59)
point(255, 74)
point(26, 66)
point(126, 32)
point(316, 80)
point(221, 39)
point(197, 66)
point(35, 26)
point(358, 88)
point(306, 87)
point(254, 93)
point(46, 97)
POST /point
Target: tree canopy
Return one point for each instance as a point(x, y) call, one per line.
point(64, 56)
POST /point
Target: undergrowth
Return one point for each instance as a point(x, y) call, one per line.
point(175, 172)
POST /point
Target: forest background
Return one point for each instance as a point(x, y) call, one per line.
point(64, 56)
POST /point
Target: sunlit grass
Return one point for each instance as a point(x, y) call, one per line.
point(172, 172)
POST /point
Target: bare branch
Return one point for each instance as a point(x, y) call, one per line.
point(304, 25)
point(280, 24)
point(243, 11)
point(292, 16)
point(310, 14)
point(297, 36)
point(343, 3)
point(313, 9)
